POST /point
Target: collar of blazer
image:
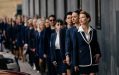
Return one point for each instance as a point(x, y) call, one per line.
point(80, 29)
point(90, 30)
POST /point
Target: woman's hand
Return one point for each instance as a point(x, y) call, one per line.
point(54, 63)
point(40, 61)
point(45, 56)
point(67, 60)
point(97, 58)
point(76, 68)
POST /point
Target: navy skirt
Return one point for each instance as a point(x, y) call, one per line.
point(89, 69)
point(61, 67)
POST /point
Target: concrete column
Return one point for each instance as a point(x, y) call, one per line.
point(25, 7)
point(89, 6)
point(36, 7)
point(50, 7)
point(117, 5)
point(86, 5)
point(114, 29)
point(92, 12)
point(72, 5)
point(117, 36)
point(43, 8)
point(31, 8)
point(68, 5)
point(60, 9)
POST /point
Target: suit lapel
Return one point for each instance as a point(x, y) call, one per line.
point(91, 35)
point(84, 37)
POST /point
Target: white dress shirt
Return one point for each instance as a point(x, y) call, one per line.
point(87, 35)
point(57, 42)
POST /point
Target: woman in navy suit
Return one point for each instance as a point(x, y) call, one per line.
point(58, 48)
point(86, 48)
point(74, 16)
point(40, 47)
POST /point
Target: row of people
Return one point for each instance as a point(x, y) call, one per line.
point(65, 48)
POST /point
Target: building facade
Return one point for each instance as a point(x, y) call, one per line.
point(8, 7)
point(104, 15)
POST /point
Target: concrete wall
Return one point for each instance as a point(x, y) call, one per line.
point(37, 7)
point(51, 7)
point(60, 9)
point(25, 7)
point(31, 8)
point(8, 7)
point(45, 8)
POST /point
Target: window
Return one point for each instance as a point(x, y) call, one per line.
point(19, 9)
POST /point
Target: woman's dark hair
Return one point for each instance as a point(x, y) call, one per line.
point(52, 16)
point(60, 21)
point(87, 14)
point(68, 13)
point(77, 11)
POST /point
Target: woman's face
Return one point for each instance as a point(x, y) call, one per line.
point(83, 19)
point(58, 26)
point(47, 24)
point(41, 26)
point(30, 23)
point(75, 18)
point(34, 23)
point(52, 21)
point(69, 19)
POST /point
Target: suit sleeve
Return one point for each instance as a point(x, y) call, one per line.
point(52, 49)
point(75, 49)
point(67, 43)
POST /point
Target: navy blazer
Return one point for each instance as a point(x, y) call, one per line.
point(31, 39)
point(47, 37)
point(26, 34)
point(69, 42)
point(20, 30)
point(69, 39)
point(40, 44)
point(12, 33)
point(84, 51)
point(62, 44)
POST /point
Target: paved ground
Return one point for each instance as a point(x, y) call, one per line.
point(25, 67)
